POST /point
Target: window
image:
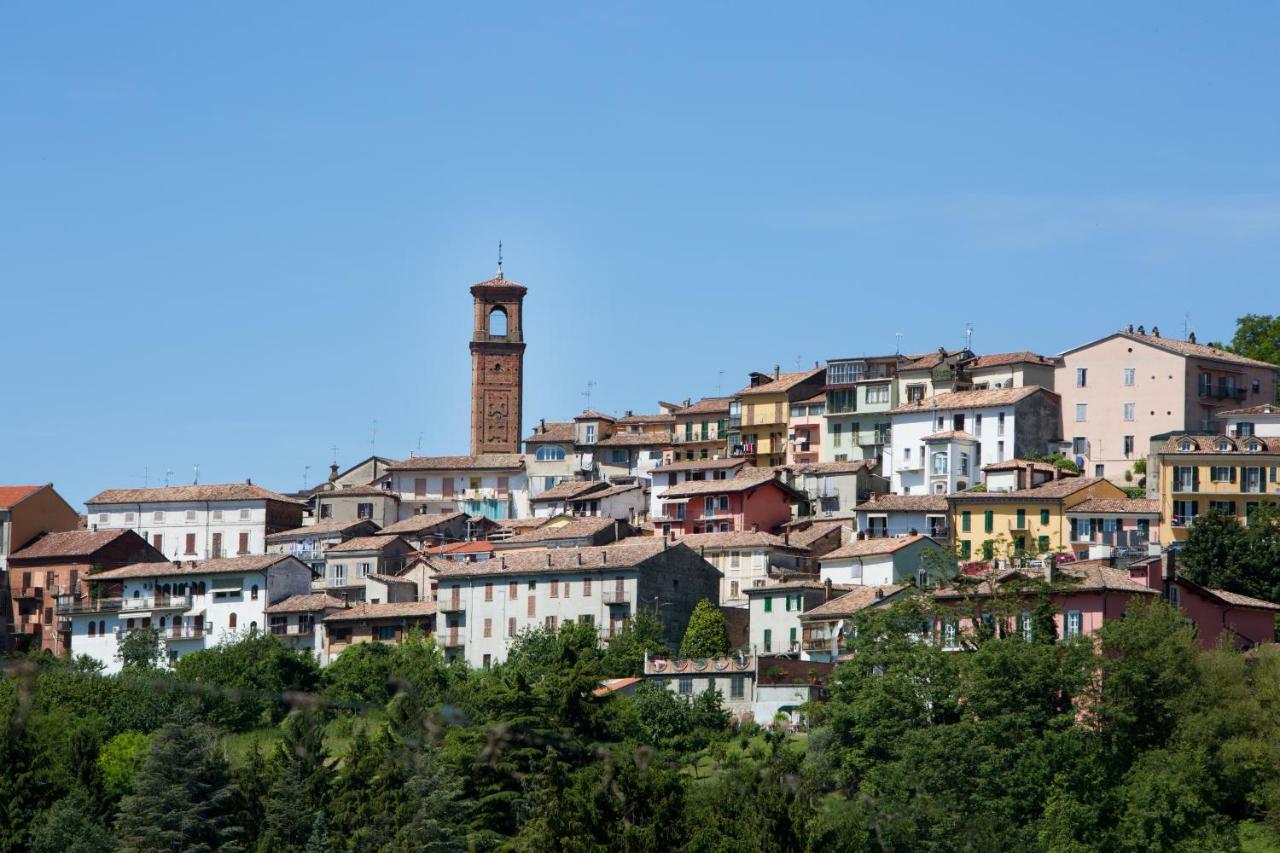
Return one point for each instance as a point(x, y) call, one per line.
point(735, 559)
point(940, 463)
point(591, 434)
point(253, 592)
point(1073, 624)
point(1082, 412)
point(1128, 411)
point(244, 514)
point(1022, 520)
point(966, 519)
point(737, 685)
point(733, 589)
point(988, 521)
point(550, 453)
point(128, 518)
point(326, 510)
point(191, 544)
point(1184, 513)
point(1082, 377)
point(488, 627)
point(103, 517)
point(999, 451)
point(531, 607)
point(791, 640)
point(1185, 478)
point(768, 604)
point(555, 588)
point(1042, 543)
point(1128, 446)
point(685, 685)
point(915, 393)
point(836, 434)
point(231, 621)
point(988, 549)
point(768, 637)
point(878, 394)
point(977, 424)
point(1080, 445)
point(1175, 596)
point(1205, 385)
point(1128, 376)
point(757, 560)
point(1026, 624)
point(511, 626)
point(244, 543)
point(386, 633)
point(950, 633)
point(1100, 470)
point(586, 587)
point(191, 515)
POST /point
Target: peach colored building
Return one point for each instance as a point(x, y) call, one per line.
point(1120, 390)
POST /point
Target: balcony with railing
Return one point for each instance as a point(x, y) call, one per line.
point(28, 591)
point(159, 602)
point(186, 632)
point(293, 630)
point(615, 596)
point(818, 640)
point(450, 605)
point(452, 639)
point(70, 605)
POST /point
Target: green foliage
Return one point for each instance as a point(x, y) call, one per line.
point(1257, 336)
point(1057, 460)
point(140, 650)
point(1221, 554)
point(662, 717)
point(184, 798)
point(707, 634)
point(119, 761)
point(245, 681)
point(624, 655)
point(1136, 492)
point(69, 826)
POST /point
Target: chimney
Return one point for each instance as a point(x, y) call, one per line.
point(579, 558)
point(1142, 330)
point(542, 425)
point(502, 562)
point(548, 559)
point(1129, 328)
point(1155, 331)
point(333, 472)
point(248, 482)
point(879, 593)
point(777, 371)
point(862, 534)
point(826, 590)
point(627, 413)
point(604, 558)
point(913, 532)
point(786, 538)
point(1191, 338)
point(1051, 569)
point(755, 528)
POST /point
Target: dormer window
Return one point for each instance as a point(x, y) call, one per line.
point(1255, 446)
point(1223, 446)
point(1186, 446)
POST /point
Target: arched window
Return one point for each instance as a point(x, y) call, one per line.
point(498, 322)
point(253, 626)
point(102, 626)
point(253, 592)
point(550, 453)
point(231, 621)
point(161, 623)
point(93, 626)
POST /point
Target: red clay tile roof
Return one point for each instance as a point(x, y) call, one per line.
point(971, 399)
point(1016, 464)
point(1000, 359)
point(369, 491)
point(611, 685)
point(184, 494)
point(479, 462)
point(1051, 490)
point(570, 489)
point(590, 415)
point(784, 382)
point(874, 547)
point(631, 554)
point(699, 465)
point(656, 418)
point(324, 527)
point(858, 598)
point(71, 543)
point(905, 503)
point(1086, 576)
point(378, 542)
point(557, 431)
point(951, 435)
point(387, 610)
point(478, 546)
point(12, 495)
point(928, 360)
point(306, 603)
point(576, 528)
point(808, 536)
point(422, 523)
point(706, 406)
point(230, 565)
point(1135, 506)
point(1209, 444)
point(499, 281)
point(1186, 348)
point(636, 439)
point(738, 539)
point(1235, 599)
point(694, 488)
point(1264, 409)
point(818, 469)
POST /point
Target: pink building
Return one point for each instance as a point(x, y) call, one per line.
point(1088, 594)
point(804, 430)
point(754, 500)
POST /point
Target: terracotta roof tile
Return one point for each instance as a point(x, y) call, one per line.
point(324, 527)
point(1264, 409)
point(570, 489)
point(971, 399)
point(706, 406)
point(368, 491)
point(12, 495)
point(636, 439)
point(1237, 600)
point(184, 494)
point(1000, 359)
point(905, 503)
point(784, 382)
point(631, 554)
point(386, 610)
point(378, 542)
point(478, 462)
point(422, 523)
point(874, 547)
point(310, 602)
point(230, 565)
point(699, 465)
point(1136, 506)
point(557, 431)
point(818, 469)
point(1211, 444)
point(1187, 348)
point(656, 418)
point(1086, 576)
point(951, 435)
point(591, 415)
point(1015, 464)
point(808, 536)
point(736, 539)
point(859, 598)
point(576, 528)
point(71, 543)
point(499, 281)
point(1051, 490)
point(694, 488)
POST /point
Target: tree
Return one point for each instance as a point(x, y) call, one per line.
point(256, 672)
point(184, 799)
point(140, 649)
point(707, 635)
point(119, 760)
point(624, 656)
point(68, 826)
point(1221, 554)
point(1257, 336)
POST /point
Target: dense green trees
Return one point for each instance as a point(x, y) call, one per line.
point(1223, 554)
point(707, 634)
point(1009, 744)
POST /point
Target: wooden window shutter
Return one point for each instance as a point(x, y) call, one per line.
point(446, 487)
point(217, 544)
point(191, 543)
point(419, 487)
point(533, 606)
point(504, 484)
point(244, 543)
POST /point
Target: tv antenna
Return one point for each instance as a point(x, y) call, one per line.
point(168, 472)
point(146, 476)
point(373, 437)
point(591, 383)
point(196, 481)
point(1186, 326)
point(419, 444)
point(719, 381)
point(334, 450)
point(306, 473)
point(898, 346)
point(968, 335)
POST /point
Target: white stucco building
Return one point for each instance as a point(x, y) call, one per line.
point(193, 605)
point(493, 485)
point(198, 522)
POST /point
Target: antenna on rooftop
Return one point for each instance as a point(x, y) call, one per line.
point(146, 476)
point(968, 335)
point(798, 360)
point(591, 383)
point(898, 346)
point(499, 275)
point(419, 444)
point(334, 450)
point(196, 481)
point(168, 472)
point(373, 437)
point(306, 472)
point(1187, 328)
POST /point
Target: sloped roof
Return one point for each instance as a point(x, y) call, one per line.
point(952, 435)
point(1208, 444)
point(186, 494)
point(1235, 599)
point(706, 406)
point(630, 554)
point(784, 382)
point(378, 542)
point(1187, 348)
point(421, 523)
point(636, 439)
point(1001, 359)
point(1135, 506)
point(817, 469)
point(71, 543)
point(386, 610)
point(228, 566)
point(699, 465)
point(971, 399)
point(1051, 490)
point(324, 527)
point(570, 489)
point(478, 462)
point(905, 503)
point(656, 418)
point(874, 547)
point(693, 488)
point(576, 528)
point(808, 536)
point(499, 282)
point(310, 602)
point(12, 495)
point(1264, 409)
point(367, 491)
point(1023, 464)
point(858, 598)
point(1085, 576)
point(557, 431)
point(737, 539)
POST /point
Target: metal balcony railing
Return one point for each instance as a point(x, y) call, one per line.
point(450, 605)
point(615, 596)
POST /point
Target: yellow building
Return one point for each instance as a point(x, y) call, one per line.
point(1000, 525)
point(758, 414)
point(1198, 473)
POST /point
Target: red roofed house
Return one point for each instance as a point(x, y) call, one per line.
point(25, 513)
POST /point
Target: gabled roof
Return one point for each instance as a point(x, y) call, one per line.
point(1210, 444)
point(556, 431)
point(1051, 490)
point(228, 566)
point(952, 435)
point(971, 399)
point(904, 503)
point(706, 406)
point(1001, 359)
point(1133, 506)
point(11, 496)
point(387, 610)
point(806, 537)
point(324, 527)
point(818, 469)
point(576, 528)
point(656, 418)
point(858, 598)
point(310, 602)
point(631, 554)
point(478, 462)
point(422, 523)
point(499, 282)
point(590, 415)
point(636, 439)
point(368, 491)
point(72, 543)
point(784, 382)
point(1178, 347)
point(1021, 464)
point(699, 465)
point(1264, 409)
point(477, 546)
point(874, 547)
point(570, 489)
point(188, 494)
point(737, 539)
point(1085, 576)
point(377, 543)
point(733, 485)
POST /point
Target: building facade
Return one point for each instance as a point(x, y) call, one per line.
point(493, 485)
point(497, 366)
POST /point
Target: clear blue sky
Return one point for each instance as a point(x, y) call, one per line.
point(236, 234)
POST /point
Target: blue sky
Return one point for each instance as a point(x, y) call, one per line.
point(234, 235)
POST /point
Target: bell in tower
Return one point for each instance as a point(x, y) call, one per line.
point(497, 365)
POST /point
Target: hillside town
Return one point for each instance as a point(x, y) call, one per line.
point(791, 504)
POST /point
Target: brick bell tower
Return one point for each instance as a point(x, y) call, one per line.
point(497, 365)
